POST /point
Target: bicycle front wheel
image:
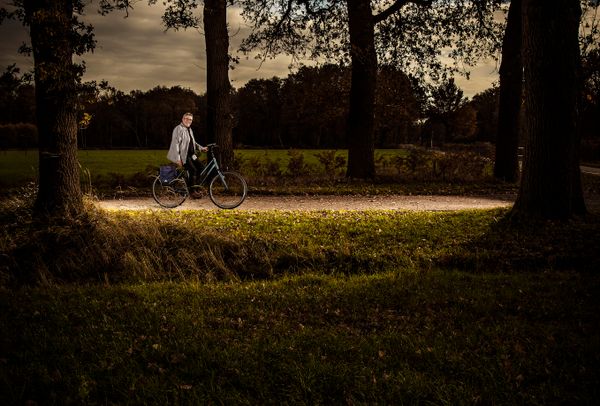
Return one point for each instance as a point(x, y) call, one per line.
point(170, 194)
point(228, 190)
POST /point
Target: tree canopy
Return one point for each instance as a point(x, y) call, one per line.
point(428, 38)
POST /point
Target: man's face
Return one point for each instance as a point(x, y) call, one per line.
point(187, 121)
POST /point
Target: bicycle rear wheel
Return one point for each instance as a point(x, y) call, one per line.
point(170, 194)
point(228, 190)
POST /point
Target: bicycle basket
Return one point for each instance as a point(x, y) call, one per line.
point(167, 173)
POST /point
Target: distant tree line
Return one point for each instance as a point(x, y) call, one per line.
point(307, 109)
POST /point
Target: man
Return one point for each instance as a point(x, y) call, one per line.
point(183, 148)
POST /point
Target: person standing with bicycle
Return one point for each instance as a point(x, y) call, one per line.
point(183, 148)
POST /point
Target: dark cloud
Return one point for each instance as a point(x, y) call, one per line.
point(12, 35)
point(136, 53)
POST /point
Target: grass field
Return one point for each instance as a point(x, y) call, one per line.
point(439, 337)
point(331, 307)
point(21, 166)
point(403, 171)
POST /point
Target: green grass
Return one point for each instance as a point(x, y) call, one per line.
point(237, 245)
point(330, 307)
point(21, 166)
point(437, 337)
point(130, 172)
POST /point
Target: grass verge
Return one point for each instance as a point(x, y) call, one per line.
point(330, 307)
point(397, 337)
point(144, 246)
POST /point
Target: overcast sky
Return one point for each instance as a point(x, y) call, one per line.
point(135, 53)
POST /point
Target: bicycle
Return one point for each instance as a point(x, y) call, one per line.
point(227, 190)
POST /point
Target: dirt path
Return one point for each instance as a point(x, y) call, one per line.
point(394, 202)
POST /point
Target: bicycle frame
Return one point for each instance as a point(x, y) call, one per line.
point(210, 166)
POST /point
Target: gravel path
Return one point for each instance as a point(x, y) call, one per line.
point(393, 202)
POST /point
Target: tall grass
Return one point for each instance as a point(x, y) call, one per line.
point(151, 245)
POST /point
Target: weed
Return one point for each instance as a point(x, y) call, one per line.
point(333, 164)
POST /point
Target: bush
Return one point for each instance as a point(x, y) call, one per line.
point(296, 165)
point(332, 164)
point(429, 165)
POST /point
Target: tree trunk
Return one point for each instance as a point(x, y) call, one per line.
point(59, 192)
point(361, 149)
point(218, 93)
point(506, 166)
point(550, 186)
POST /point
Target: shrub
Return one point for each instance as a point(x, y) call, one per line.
point(296, 165)
point(332, 163)
point(461, 166)
point(428, 165)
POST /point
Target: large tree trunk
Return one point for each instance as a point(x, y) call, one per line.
point(361, 149)
point(506, 166)
point(218, 94)
point(550, 186)
point(59, 191)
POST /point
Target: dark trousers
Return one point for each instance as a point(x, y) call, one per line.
point(194, 169)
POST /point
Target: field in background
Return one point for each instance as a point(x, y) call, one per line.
point(267, 171)
point(20, 166)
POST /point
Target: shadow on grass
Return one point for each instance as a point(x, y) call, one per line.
point(530, 245)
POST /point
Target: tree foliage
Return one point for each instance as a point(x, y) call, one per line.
point(17, 104)
point(305, 109)
point(417, 36)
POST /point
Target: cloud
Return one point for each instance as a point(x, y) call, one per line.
point(13, 35)
point(482, 77)
point(137, 53)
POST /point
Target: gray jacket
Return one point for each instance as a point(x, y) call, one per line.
point(179, 144)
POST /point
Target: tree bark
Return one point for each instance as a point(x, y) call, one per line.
point(361, 149)
point(59, 192)
point(218, 93)
point(550, 186)
point(506, 166)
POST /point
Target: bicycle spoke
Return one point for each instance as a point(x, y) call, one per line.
point(169, 195)
point(228, 190)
